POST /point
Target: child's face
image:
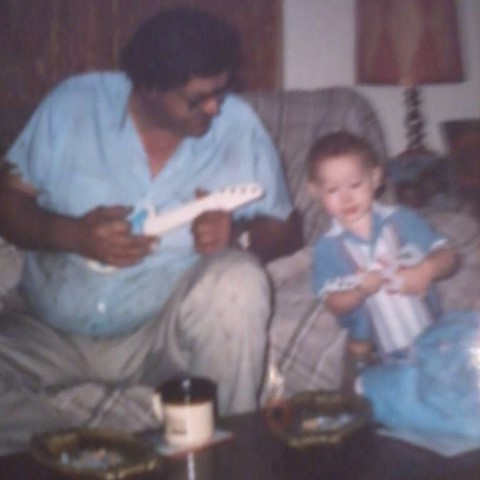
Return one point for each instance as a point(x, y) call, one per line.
point(346, 185)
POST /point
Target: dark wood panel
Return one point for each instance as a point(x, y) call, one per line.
point(44, 41)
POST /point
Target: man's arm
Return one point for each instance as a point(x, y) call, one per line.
point(270, 238)
point(102, 234)
point(267, 237)
point(24, 223)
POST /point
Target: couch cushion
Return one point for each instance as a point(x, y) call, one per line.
point(306, 343)
point(460, 291)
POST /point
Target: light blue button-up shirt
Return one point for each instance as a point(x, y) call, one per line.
point(81, 150)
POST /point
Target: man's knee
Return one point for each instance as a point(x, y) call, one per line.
point(233, 285)
point(242, 279)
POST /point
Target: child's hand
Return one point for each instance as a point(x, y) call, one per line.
point(415, 280)
point(372, 282)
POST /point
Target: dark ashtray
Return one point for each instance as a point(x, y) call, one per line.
point(94, 453)
point(315, 418)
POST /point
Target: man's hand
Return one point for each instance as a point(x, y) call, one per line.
point(105, 236)
point(270, 238)
point(212, 231)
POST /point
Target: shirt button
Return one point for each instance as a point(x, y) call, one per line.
point(101, 307)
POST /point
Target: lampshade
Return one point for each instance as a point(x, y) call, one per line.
point(407, 42)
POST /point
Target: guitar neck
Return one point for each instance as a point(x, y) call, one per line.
point(146, 222)
point(160, 224)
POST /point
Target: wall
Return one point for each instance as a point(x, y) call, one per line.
point(319, 52)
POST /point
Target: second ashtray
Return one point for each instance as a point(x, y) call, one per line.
point(314, 418)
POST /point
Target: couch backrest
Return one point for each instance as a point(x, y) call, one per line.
point(296, 118)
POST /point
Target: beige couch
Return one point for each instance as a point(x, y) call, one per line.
point(306, 347)
point(306, 344)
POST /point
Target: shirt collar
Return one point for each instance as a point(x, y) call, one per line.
point(124, 112)
point(380, 214)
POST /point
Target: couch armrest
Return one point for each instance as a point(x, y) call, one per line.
point(461, 291)
point(462, 229)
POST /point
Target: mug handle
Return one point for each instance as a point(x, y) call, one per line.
point(157, 406)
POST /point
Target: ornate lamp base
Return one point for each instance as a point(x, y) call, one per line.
point(414, 119)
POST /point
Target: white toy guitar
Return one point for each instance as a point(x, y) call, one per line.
point(145, 220)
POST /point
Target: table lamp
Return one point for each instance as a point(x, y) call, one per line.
point(409, 43)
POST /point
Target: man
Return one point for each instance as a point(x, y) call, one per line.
point(101, 144)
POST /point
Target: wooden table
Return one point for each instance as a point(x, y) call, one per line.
point(255, 453)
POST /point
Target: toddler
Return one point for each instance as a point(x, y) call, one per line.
point(375, 266)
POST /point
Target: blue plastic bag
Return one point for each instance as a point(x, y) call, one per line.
point(436, 388)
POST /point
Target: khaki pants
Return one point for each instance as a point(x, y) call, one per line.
point(214, 325)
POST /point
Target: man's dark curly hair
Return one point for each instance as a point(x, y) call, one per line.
point(177, 44)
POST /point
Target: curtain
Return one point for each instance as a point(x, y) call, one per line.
point(44, 41)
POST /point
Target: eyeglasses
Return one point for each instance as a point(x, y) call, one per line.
point(196, 102)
